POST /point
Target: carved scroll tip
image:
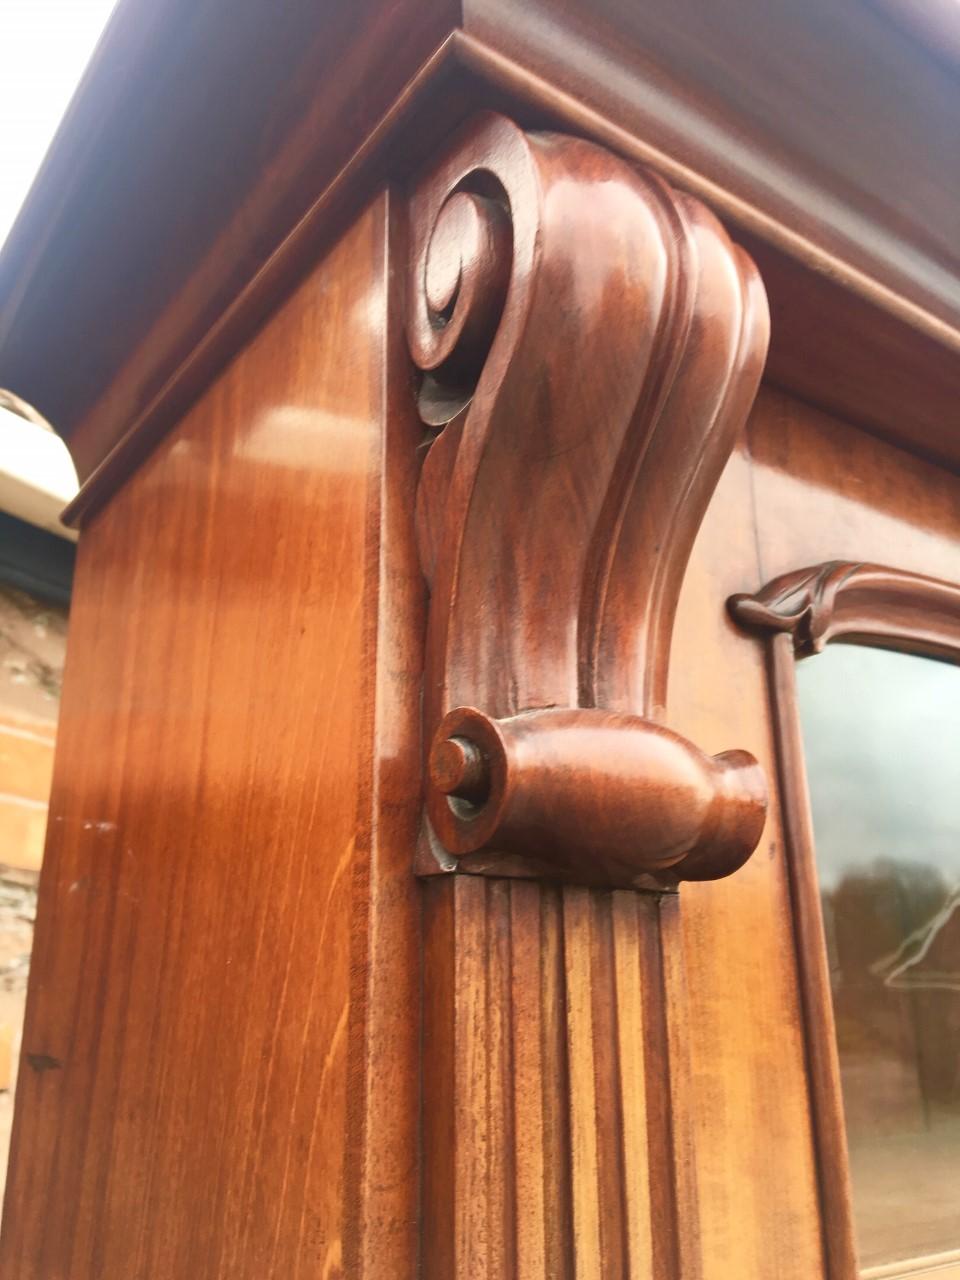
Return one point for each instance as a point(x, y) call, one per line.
point(740, 816)
point(754, 614)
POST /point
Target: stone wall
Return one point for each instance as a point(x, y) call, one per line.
point(32, 648)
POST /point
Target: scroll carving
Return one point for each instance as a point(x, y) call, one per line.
point(588, 343)
point(865, 602)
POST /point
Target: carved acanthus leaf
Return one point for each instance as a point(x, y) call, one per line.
point(851, 600)
point(801, 603)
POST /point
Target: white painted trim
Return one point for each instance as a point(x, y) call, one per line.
point(30, 735)
point(21, 802)
point(37, 475)
point(938, 1266)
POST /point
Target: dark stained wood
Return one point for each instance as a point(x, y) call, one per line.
point(545, 1048)
point(223, 1023)
point(525, 247)
point(575, 993)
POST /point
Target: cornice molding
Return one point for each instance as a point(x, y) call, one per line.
point(851, 335)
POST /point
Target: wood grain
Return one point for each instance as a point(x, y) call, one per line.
point(210, 948)
point(382, 1174)
point(555, 556)
point(877, 492)
point(547, 653)
point(825, 491)
point(746, 1103)
point(228, 1061)
point(543, 1042)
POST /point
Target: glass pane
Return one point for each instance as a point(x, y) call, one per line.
point(882, 742)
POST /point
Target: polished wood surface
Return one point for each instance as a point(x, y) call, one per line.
point(523, 247)
point(817, 485)
point(746, 1102)
point(548, 657)
point(801, 612)
point(257, 1045)
point(726, 1108)
point(859, 603)
point(216, 1079)
point(549, 1064)
point(868, 364)
point(596, 796)
point(780, 103)
point(777, 115)
point(826, 491)
point(823, 1070)
point(841, 338)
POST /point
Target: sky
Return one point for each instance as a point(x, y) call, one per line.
point(44, 47)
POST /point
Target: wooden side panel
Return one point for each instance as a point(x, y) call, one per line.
point(183, 1101)
point(383, 1106)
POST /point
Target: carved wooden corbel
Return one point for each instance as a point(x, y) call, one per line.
point(589, 343)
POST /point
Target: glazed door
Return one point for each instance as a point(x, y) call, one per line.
point(640, 1058)
point(859, 549)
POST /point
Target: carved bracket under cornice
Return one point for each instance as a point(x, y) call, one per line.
point(589, 343)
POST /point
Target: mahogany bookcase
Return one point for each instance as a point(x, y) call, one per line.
point(429, 887)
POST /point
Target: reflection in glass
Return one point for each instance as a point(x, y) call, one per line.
point(882, 743)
